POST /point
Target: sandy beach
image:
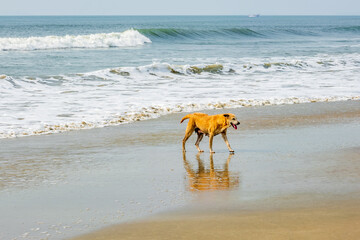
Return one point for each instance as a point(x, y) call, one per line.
point(294, 175)
point(337, 221)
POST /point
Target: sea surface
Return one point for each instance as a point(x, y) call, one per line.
point(65, 73)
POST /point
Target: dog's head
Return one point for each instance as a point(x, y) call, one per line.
point(231, 118)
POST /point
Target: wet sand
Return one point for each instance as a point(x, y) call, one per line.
point(295, 216)
point(320, 223)
point(288, 159)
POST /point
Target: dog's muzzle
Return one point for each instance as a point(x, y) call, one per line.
point(235, 125)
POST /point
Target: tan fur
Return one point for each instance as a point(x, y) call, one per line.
point(210, 125)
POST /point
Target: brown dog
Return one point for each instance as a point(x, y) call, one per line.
point(211, 126)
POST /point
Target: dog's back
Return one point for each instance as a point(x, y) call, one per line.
point(193, 115)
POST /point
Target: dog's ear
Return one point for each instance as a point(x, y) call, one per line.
point(226, 115)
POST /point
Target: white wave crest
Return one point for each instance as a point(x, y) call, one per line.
point(128, 38)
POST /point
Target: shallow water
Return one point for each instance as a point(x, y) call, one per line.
point(65, 184)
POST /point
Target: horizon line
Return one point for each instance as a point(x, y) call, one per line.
point(175, 15)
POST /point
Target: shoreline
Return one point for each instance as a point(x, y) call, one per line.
point(72, 183)
point(155, 112)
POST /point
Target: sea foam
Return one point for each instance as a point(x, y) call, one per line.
point(128, 38)
point(52, 104)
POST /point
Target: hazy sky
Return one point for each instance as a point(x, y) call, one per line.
point(179, 7)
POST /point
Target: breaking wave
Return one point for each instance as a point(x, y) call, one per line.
point(128, 38)
point(138, 37)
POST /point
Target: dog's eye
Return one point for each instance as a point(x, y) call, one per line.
point(233, 119)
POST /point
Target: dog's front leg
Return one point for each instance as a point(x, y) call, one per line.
point(211, 137)
point(223, 134)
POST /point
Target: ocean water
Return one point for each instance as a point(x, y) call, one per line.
point(69, 73)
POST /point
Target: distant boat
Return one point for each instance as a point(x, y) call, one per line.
point(254, 15)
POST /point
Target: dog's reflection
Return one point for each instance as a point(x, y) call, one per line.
point(210, 179)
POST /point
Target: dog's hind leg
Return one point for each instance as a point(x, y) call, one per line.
point(189, 130)
point(200, 137)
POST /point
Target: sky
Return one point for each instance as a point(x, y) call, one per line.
point(179, 7)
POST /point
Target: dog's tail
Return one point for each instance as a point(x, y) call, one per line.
point(186, 117)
